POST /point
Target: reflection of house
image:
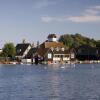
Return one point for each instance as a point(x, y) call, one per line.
point(53, 51)
point(22, 49)
point(86, 52)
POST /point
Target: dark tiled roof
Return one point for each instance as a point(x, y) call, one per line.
point(42, 52)
point(31, 52)
point(88, 50)
point(52, 36)
point(20, 48)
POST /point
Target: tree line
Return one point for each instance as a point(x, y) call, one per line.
point(77, 40)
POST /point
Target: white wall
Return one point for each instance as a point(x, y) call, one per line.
point(26, 60)
point(66, 58)
point(56, 59)
point(52, 39)
point(27, 50)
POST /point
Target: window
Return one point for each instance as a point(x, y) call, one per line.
point(19, 50)
point(52, 48)
point(49, 55)
point(57, 49)
point(62, 49)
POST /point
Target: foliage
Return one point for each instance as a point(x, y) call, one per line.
point(9, 50)
point(98, 43)
point(77, 40)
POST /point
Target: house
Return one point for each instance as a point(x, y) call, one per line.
point(22, 50)
point(31, 55)
point(86, 52)
point(53, 51)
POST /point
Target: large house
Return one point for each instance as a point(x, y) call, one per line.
point(53, 51)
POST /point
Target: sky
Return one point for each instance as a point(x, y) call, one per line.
point(33, 20)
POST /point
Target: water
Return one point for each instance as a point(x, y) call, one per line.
point(52, 82)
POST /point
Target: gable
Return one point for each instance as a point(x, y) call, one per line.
point(21, 48)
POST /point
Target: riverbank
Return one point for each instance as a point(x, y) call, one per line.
point(75, 62)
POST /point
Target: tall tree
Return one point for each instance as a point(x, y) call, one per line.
point(9, 50)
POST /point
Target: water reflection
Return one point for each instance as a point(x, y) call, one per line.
point(50, 82)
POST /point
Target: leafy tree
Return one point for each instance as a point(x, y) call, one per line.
point(77, 40)
point(66, 39)
point(9, 50)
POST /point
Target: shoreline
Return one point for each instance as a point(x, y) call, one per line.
point(76, 62)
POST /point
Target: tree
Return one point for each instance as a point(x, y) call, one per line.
point(9, 50)
point(77, 40)
point(66, 39)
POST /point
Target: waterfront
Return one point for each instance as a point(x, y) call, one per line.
point(50, 82)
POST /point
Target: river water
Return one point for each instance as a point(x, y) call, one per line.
point(50, 82)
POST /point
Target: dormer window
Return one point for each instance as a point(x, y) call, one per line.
point(52, 48)
point(62, 49)
point(19, 50)
point(57, 49)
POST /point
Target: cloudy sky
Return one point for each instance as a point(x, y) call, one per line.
point(33, 20)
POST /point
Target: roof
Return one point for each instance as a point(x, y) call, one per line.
point(42, 52)
point(88, 50)
point(52, 36)
point(52, 44)
point(61, 52)
point(31, 52)
point(20, 48)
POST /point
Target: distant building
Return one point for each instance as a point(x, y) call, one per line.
point(86, 52)
point(22, 49)
point(53, 51)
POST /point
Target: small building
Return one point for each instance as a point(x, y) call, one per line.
point(86, 52)
point(22, 50)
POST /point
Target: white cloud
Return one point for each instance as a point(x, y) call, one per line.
point(89, 15)
point(96, 7)
point(90, 12)
point(85, 18)
point(48, 19)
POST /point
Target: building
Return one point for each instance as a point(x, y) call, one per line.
point(86, 52)
point(22, 50)
point(53, 51)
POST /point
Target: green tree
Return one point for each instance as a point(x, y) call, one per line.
point(77, 40)
point(66, 39)
point(9, 50)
